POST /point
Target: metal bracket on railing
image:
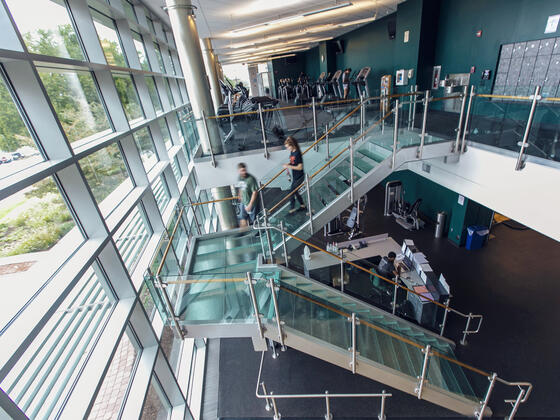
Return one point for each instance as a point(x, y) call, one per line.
point(424, 121)
point(263, 132)
point(328, 415)
point(534, 98)
point(205, 123)
point(394, 304)
point(479, 413)
point(355, 321)
point(470, 316)
point(455, 147)
point(466, 127)
point(422, 379)
point(250, 282)
point(395, 134)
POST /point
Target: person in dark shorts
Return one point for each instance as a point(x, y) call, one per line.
point(296, 166)
point(248, 195)
point(346, 82)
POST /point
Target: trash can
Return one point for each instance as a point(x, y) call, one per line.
point(440, 224)
point(476, 236)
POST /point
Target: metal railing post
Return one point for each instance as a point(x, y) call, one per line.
point(354, 322)
point(263, 133)
point(362, 115)
point(480, 413)
point(313, 104)
point(273, 289)
point(194, 215)
point(342, 270)
point(422, 379)
point(383, 111)
point(267, 406)
point(424, 121)
point(328, 157)
point(444, 317)
point(516, 404)
point(308, 193)
point(410, 108)
point(277, 415)
point(351, 148)
point(284, 249)
point(382, 410)
point(536, 97)
point(174, 318)
point(395, 134)
point(415, 97)
point(250, 283)
point(461, 115)
point(466, 127)
point(464, 339)
point(328, 415)
point(394, 304)
point(205, 123)
point(265, 215)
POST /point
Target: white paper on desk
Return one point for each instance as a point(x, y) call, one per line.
point(399, 257)
point(409, 242)
point(426, 268)
point(420, 258)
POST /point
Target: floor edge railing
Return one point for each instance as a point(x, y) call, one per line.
point(270, 397)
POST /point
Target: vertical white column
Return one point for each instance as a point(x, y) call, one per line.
point(183, 24)
point(212, 71)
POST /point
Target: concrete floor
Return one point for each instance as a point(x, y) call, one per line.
point(512, 282)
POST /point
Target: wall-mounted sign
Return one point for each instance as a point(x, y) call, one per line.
point(406, 36)
point(552, 24)
point(435, 77)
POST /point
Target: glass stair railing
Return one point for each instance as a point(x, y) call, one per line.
point(323, 313)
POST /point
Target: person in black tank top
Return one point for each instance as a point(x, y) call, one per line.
point(296, 166)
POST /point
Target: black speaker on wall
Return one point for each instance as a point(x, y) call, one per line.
point(338, 47)
point(392, 29)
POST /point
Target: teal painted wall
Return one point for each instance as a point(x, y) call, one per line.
point(501, 22)
point(436, 198)
point(369, 46)
point(312, 60)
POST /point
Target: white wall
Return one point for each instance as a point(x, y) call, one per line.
point(530, 196)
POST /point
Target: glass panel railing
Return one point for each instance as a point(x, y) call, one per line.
point(498, 122)
point(544, 136)
point(246, 128)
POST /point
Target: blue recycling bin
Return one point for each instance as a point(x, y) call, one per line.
point(476, 237)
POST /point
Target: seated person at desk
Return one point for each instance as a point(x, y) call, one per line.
point(387, 268)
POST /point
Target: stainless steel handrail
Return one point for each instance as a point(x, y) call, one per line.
point(469, 316)
point(271, 396)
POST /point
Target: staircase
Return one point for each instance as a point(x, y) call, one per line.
point(369, 162)
point(215, 300)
